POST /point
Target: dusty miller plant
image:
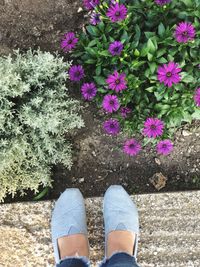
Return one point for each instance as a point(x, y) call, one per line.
point(35, 115)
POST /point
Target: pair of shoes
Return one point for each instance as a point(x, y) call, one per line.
point(69, 216)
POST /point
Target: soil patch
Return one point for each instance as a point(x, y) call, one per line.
point(100, 162)
point(28, 23)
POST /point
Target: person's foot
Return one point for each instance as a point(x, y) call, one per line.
point(73, 245)
point(122, 241)
point(68, 226)
point(121, 222)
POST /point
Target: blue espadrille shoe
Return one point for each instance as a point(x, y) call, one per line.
point(120, 213)
point(68, 217)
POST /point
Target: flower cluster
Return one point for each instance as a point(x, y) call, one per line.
point(142, 72)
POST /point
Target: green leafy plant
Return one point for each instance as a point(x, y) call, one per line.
point(36, 113)
point(147, 35)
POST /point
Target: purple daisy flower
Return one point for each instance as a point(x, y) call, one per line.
point(169, 74)
point(153, 127)
point(95, 18)
point(197, 97)
point(131, 147)
point(90, 4)
point(184, 32)
point(88, 91)
point(125, 111)
point(69, 41)
point(117, 12)
point(117, 81)
point(76, 73)
point(110, 103)
point(112, 126)
point(115, 48)
point(164, 147)
point(162, 2)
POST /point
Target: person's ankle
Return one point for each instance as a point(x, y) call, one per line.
point(120, 241)
point(73, 245)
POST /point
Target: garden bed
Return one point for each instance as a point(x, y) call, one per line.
point(98, 163)
point(98, 159)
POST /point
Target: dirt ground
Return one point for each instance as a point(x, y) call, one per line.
point(33, 23)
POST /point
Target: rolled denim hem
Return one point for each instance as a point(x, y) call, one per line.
point(118, 254)
point(65, 262)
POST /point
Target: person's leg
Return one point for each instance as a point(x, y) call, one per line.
point(120, 259)
point(73, 262)
point(69, 230)
point(121, 229)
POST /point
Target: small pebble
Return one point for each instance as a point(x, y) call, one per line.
point(81, 180)
point(80, 9)
point(186, 133)
point(157, 161)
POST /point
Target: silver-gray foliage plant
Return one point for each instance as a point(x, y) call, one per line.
point(35, 115)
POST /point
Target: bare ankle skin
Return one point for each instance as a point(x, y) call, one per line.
point(122, 241)
point(73, 245)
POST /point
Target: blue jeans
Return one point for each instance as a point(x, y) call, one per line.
point(117, 260)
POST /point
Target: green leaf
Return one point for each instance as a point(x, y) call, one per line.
point(124, 36)
point(162, 106)
point(196, 114)
point(92, 30)
point(100, 80)
point(136, 52)
point(101, 90)
point(161, 52)
point(161, 29)
point(162, 60)
point(151, 47)
point(149, 34)
point(150, 89)
point(92, 43)
point(187, 78)
point(144, 51)
point(101, 26)
point(188, 3)
point(153, 67)
point(137, 35)
point(186, 117)
point(149, 56)
point(41, 194)
point(104, 53)
point(98, 70)
point(90, 61)
point(91, 51)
